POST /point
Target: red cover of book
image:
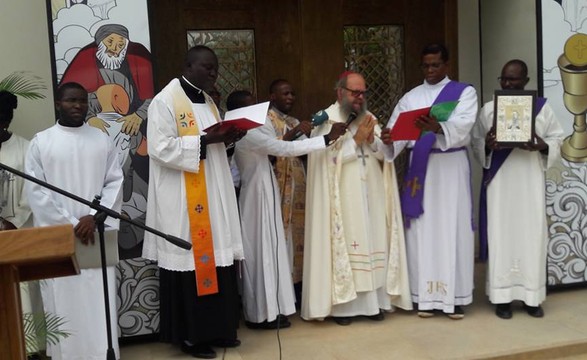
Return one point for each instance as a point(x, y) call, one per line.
point(245, 118)
point(405, 125)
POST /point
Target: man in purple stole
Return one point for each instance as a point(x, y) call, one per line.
point(436, 202)
point(512, 217)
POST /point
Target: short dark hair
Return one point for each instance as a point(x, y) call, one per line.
point(520, 63)
point(67, 86)
point(193, 53)
point(275, 83)
point(8, 102)
point(236, 99)
point(436, 49)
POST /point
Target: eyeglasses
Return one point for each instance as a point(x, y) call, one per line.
point(509, 79)
point(434, 66)
point(357, 93)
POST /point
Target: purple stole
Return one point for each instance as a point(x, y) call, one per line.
point(413, 194)
point(498, 157)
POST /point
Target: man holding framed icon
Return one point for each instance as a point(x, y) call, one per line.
point(516, 139)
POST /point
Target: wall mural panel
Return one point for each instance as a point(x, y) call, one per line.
point(564, 70)
point(100, 45)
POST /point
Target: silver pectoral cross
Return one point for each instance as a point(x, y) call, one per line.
point(363, 156)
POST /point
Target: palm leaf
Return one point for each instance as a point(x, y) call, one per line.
point(42, 325)
point(25, 84)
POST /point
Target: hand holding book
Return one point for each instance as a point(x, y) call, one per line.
point(227, 134)
point(411, 124)
point(244, 118)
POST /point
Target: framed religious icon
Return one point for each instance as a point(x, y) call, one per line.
point(513, 117)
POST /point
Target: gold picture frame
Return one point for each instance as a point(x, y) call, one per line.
point(513, 117)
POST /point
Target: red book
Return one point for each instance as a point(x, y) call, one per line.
point(245, 118)
point(405, 125)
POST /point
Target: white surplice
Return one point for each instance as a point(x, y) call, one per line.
point(84, 162)
point(169, 156)
point(354, 260)
point(516, 212)
point(441, 241)
point(267, 271)
point(16, 209)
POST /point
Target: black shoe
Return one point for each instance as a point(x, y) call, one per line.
point(534, 311)
point(201, 351)
point(458, 313)
point(342, 320)
point(226, 343)
point(187, 348)
point(377, 317)
point(268, 325)
point(504, 311)
point(282, 323)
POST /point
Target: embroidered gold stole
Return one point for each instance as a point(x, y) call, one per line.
point(291, 177)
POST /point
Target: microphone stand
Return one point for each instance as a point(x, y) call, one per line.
point(100, 216)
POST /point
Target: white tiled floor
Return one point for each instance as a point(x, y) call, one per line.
point(402, 335)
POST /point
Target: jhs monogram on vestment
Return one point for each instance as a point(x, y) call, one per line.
point(437, 287)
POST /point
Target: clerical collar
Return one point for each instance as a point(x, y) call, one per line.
point(192, 85)
point(195, 94)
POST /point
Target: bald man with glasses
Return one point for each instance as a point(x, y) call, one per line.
point(353, 218)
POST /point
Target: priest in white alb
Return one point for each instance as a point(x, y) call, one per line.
point(15, 212)
point(191, 197)
point(513, 226)
point(436, 200)
point(80, 159)
point(354, 260)
point(268, 292)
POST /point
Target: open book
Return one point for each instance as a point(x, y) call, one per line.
point(405, 126)
point(245, 118)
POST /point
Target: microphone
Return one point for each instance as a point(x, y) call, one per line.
point(351, 118)
point(317, 119)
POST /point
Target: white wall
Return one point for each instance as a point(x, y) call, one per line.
point(508, 31)
point(25, 47)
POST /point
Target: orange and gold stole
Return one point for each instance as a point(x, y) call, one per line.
point(197, 204)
